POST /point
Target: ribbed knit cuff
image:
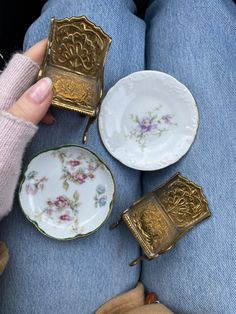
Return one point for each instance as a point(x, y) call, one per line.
point(14, 136)
point(20, 73)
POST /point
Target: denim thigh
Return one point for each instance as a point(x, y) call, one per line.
point(195, 42)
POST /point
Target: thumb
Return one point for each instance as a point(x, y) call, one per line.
point(34, 103)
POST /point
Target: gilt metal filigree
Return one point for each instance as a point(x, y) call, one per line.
point(163, 216)
point(75, 60)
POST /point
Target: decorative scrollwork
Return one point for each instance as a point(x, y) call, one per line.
point(78, 45)
point(183, 201)
point(151, 224)
point(162, 217)
point(77, 91)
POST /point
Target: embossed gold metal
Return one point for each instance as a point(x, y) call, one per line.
point(162, 217)
point(74, 60)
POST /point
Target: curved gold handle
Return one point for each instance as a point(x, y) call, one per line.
point(137, 260)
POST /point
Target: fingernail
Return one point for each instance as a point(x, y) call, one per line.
point(40, 91)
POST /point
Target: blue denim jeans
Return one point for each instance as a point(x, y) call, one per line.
point(195, 42)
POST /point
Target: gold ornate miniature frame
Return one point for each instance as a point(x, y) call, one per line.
point(162, 217)
point(74, 60)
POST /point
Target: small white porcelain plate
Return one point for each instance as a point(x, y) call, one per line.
point(148, 120)
point(67, 192)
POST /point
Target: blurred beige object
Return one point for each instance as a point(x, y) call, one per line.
point(132, 302)
point(4, 256)
point(150, 309)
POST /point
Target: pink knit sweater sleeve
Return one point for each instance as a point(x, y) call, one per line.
point(15, 133)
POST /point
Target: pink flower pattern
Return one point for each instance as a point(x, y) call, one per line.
point(77, 169)
point(62, 210)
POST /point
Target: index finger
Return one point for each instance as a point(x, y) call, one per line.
point(36, 53)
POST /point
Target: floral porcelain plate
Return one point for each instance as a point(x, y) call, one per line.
point(148, 120)
point(67, 192)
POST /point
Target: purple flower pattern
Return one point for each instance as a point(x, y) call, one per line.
point(150, 124)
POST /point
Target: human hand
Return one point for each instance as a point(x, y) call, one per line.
point(33, 105)
point(22, 106)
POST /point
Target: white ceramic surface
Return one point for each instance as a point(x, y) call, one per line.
point(148, 120)
point(67, 192)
